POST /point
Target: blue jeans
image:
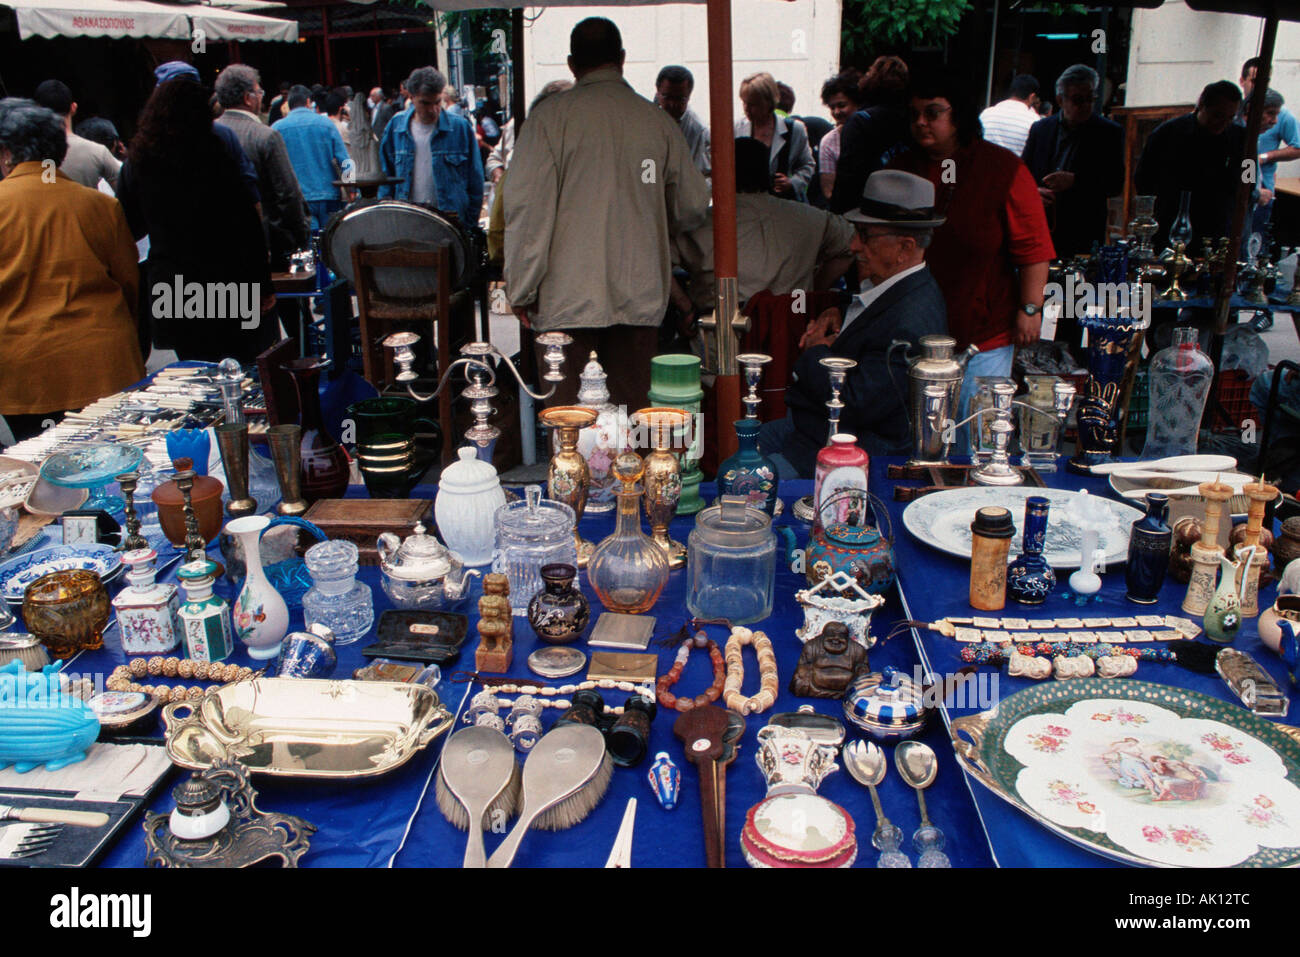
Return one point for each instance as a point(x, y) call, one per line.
point(772, 437)
point(995, 362)
point(321, 211)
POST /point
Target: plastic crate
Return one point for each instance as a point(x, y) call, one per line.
point(1234, 398)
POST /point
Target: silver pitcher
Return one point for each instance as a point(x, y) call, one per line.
point(936, 377)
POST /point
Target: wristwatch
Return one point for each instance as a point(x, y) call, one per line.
point(1029, 309)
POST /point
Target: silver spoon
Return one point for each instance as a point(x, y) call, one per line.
point(866, 763)
point(477, 764)
point(918, 766)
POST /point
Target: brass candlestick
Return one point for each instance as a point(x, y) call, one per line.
point(1206, 552)
point(195, 549)
point(233, 442)
point(128, 483)
point(662, 480)
point(1260, 494)
point(286, 453)
point(569, 478)
point(1178, 264)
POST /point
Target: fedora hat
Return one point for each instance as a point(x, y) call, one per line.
point(895, 198)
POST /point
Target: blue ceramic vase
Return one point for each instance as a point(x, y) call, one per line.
point(749, 472)
point(1029, 578)
point(1148, 551)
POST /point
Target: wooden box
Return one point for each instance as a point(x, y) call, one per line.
point(361, 520)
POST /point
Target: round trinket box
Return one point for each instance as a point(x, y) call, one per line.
point(798, 830)
point(123, 712)
point(887, 705)
point(556, 662)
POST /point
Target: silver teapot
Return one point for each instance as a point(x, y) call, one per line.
point(421, 573)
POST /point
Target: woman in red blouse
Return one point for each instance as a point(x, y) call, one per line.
point(990, 257)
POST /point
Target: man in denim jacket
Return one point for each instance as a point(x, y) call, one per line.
point(433, 151)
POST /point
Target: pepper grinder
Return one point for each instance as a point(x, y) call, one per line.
point(1206, 552)
point(752, 363)
point(128, 483)
point(1260, 493)
point(195, 550)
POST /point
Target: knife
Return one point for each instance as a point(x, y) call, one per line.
point(53, 815)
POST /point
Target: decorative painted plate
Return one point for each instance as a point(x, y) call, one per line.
point(17, 573)
point(1142, 773)
point(942, 519)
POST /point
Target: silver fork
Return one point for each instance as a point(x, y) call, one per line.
point(36, 841)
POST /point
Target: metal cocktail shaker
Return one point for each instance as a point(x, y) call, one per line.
point(936, 377)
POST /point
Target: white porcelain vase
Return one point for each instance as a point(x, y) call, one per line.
point(260, 615)
point(469, 494)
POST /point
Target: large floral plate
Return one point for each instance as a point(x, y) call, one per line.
point(942, 519)
point(17, 573)
point(1142, 773)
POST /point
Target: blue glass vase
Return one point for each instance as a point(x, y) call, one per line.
point(1148, 551)
point(192, 444)
point(749, 472)
point(1029, 578)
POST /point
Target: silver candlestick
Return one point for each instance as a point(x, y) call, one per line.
point(752, 363)
point(839, 370)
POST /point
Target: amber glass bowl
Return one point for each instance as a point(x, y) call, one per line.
point(67, 611)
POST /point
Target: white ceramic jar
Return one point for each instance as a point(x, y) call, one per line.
point(469, 494)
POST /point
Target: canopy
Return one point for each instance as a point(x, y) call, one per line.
point(226, 24)
point(99, 18)
point(142, 18)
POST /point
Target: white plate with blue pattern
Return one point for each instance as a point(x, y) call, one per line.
point(17, 573)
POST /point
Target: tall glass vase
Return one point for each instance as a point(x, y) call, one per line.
point(1180, 379)
point(749, 472)
point(324, 463)
point(1113, 347)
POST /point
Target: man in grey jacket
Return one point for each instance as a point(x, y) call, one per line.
point(284, 212)
point(600, 181)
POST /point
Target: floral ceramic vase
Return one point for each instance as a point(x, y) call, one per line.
point(749, 472)
point(560, 612)
point(1029, 578)
point(260, 614)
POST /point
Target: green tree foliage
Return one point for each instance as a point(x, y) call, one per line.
point(873, 25)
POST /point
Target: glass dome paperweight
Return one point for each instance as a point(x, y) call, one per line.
point(93, 467)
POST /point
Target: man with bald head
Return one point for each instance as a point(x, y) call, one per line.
point(600, 181)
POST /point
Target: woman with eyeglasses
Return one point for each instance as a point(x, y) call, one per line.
point(990, 257)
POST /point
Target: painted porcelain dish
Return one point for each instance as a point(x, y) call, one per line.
point(942, 519)
point(17, 573)
point(1142, 773)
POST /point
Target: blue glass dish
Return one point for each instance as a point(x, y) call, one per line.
point(93, 467)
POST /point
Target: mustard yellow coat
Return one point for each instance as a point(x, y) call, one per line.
point(68, 287)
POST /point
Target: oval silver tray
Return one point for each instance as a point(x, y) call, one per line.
point(306, 728)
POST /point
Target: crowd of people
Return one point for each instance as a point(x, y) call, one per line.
point(909, 208)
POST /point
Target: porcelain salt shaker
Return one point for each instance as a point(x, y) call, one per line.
point(205, 617)
point(146, 609)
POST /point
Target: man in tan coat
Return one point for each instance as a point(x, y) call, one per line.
point(68, 279)
point(600, 181)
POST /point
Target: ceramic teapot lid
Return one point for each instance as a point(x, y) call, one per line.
point(420, 558)
point(468, 475)
point(862, 536)
point(885, 704)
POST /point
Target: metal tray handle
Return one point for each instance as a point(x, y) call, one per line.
point(968, 752)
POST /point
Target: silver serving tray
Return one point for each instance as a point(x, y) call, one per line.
point(295, 727)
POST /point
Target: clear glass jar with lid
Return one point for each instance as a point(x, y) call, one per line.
point(531, 533)
point(336, 599)
point(732, 562)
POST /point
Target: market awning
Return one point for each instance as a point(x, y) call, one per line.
point(99, 18)
point(227, 24)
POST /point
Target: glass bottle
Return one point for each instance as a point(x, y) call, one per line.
point(1144, 226)
point(749, 472)
point(628, 570)
point(1181, 230)
point(1179, 378)
point(1148, 551)
point(1030, 578)
point(325, 468)
point(336, 599)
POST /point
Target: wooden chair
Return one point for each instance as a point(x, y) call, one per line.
point(432, 320)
